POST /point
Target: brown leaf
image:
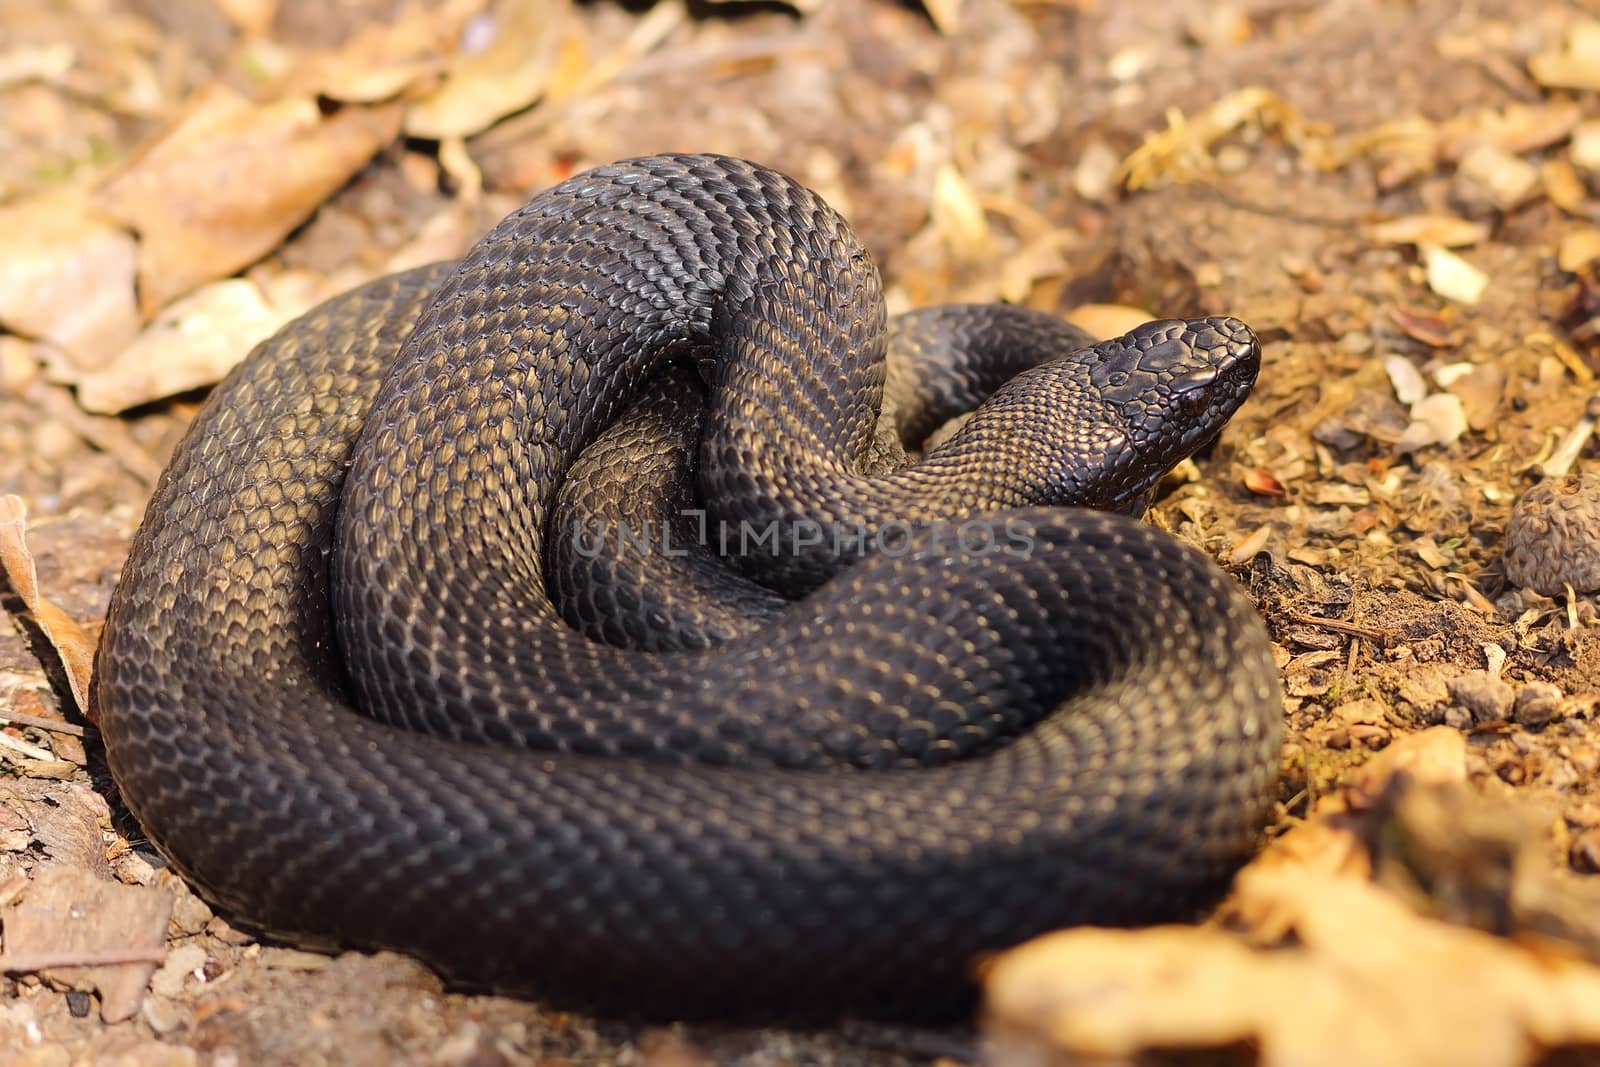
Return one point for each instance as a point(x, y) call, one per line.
point(229, 179)
point(71, 642)
point(507, 76)
point(1107, 320)
point(67, 277)
point(1424, 326)
point(192, 343)
point(89, 934)
point(1363, 981)
point(384, 60)
point(1447, 231)
point(1311, 964)
point(1261, 482)
point(1576, 65)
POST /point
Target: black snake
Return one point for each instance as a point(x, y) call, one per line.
point(1007, 717)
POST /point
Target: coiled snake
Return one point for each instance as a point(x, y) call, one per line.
point(1007, 717)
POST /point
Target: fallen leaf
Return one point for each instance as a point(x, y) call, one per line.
point(229, 179)
point(1564, 186)
point(1409, 386)
point(1094, 175)
point(383, 60)
point(1427, 327)
point(958, 215)
point(508, 75)
point(1438, 419)
point(1453, 277)
point(1360, 983)
point(71, 642)
point(253, 17)
point(1515, 129)
point(1585, 150)
point(1578, 248)
point(67, 277)
point(91, 934)
point(193, 342)
point(1481, 390)
point(1107, 320)
point(36, 62)
point(946, 15)
point(1506, 180)
point(1444, 231)
point(1311, 964)
point(1575, 65)
point(1181, 152)
point(1261, 482)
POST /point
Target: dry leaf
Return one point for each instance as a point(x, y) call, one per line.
point(1585, 150)
point(72, 644)
point(253, 17)
point(1453, 277)
point(1261, 482)
point(1181, 152)
point(1578, 248)
point(1362, 983)
point(116, 932)
point(1438, 419)
point(1480, 390)
point(67, 278)
point(1409, 386)
point(227, 181)
point(381, 62)
point(1094, 175)
point(1576, 65)
point(958, 215)
point(36, 62)
point(1564, 186)
point(1515, 129)
point(1107, 320)
point(192, 343)
point(1043, 257)
point(1309, 964)
point(946, 15)
point(508, 75)
point(1445, 231)
point(1509, 181)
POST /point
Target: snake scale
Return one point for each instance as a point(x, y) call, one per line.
point(1008, 717)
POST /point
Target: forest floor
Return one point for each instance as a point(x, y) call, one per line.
point(1401, 199)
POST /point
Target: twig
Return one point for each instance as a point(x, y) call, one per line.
point(1340, 626)
point(1566, 453)
point(24, 963)
point(31, 751)
point(39, 722)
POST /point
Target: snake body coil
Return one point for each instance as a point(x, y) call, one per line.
point(1007, 717)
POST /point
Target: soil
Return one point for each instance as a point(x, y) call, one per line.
point(1376, 560)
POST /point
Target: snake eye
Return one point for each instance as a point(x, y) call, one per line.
point(1193, 402)
point(1117, 379)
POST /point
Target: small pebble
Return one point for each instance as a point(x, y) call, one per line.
point(1553, 538)
point(78, 1003)
point(190, 914)
point(180, 967)
point(1538, 704)
point(1487, 696)
point(162, 1015)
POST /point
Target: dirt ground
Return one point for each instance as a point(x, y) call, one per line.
point(1401, 198)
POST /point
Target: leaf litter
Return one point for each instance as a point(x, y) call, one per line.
point(1417, 252)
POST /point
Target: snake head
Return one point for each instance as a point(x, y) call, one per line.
point(1168, 387)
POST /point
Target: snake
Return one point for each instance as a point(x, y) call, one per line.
point(981, 700)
